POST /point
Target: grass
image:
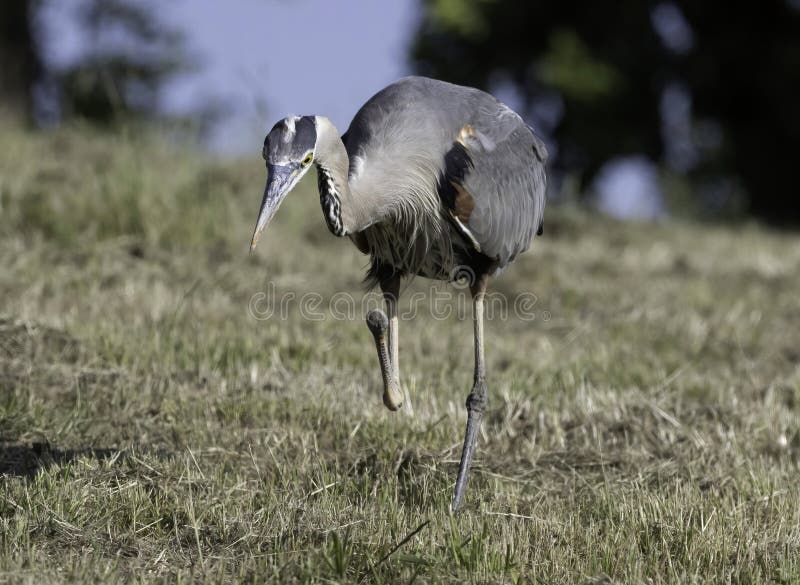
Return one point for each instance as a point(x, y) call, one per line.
point(643, 428)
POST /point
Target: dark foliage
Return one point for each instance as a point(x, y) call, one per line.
point(20, 65)
point(129, 56)
point(132, 54)
point(604, 69)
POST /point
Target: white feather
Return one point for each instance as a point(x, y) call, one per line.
point(291, 130)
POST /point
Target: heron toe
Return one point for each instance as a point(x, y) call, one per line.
point(392, 397)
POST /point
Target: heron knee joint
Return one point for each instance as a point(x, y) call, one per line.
point(377, 322)
point(477, 400)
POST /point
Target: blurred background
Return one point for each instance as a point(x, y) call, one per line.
point(650, 109)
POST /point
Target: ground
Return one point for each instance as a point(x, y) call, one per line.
point(172, 408)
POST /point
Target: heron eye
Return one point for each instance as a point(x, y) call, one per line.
point(307, 160)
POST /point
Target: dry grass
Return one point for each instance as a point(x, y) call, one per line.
point(643, 428)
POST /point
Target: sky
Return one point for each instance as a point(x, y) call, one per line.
point(265, 59)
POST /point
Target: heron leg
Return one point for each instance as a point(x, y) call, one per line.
point(391, 294)
point(385, 332)
point(477, 400)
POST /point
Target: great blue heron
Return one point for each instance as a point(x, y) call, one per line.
point(431, 179)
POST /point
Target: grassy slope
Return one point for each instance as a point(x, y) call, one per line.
point(643, 427)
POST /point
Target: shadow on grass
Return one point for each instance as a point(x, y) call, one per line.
point(26, 460)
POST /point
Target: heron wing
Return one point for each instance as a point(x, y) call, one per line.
point(494, 183)
point(425, 140)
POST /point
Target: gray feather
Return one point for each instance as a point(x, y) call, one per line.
point(397, 145)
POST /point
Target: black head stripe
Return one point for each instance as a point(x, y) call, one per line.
point(290, 139)
point(306, 131)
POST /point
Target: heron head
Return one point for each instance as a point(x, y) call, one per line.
point(288, 152)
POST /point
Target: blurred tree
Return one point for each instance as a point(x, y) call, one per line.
point(129, 55)
point(20, 65)
point(596, 76)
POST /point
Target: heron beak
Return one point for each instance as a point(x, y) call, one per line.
point(279, 183)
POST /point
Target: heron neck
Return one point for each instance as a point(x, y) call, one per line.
point(339, 206)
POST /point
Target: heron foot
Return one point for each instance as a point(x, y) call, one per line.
point(378, 324)
point(476, 406)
